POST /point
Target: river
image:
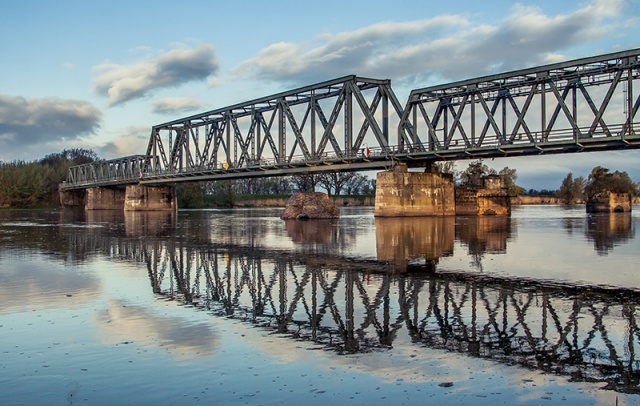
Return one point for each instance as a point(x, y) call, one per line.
point(240, 307)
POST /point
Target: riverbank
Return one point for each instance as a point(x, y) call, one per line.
point(353, 201)
point(356, 201)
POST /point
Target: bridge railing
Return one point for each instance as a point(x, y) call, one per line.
point(106, 172)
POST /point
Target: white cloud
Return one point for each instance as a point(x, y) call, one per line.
point(122, 83)
point(446, 47)
point(176, 105)
point(32, 121)
point(129, 141)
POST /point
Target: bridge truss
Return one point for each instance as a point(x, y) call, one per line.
point(326, 126)
point(589, 104)
point(581, 105)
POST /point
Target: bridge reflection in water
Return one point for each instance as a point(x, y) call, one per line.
point(362, 305)
point(352, 306)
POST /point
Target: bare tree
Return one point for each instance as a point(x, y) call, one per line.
point(335, 181)
point(305, 182)
point(355, 185)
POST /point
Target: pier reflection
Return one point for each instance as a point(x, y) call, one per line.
point(609, 229)
point(484, 235)
point(585, 334)
point(420, 239)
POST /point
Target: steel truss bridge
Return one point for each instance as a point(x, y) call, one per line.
point(354, 124)
point(588, 335)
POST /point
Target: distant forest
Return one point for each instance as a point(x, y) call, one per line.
point(33, 184)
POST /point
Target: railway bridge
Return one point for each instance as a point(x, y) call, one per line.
point(355, 124)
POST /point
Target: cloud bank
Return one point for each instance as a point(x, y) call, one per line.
point(448, 47)
point(123, 83)
point(176, 105)
point(35, 121)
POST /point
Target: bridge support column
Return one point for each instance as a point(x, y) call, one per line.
point(150, 198)
point(400, 193)
point(491, 199)
point(609, 203)
point(72, 198)
point(102, 198)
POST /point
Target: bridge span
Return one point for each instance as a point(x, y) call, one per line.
point(345, 124)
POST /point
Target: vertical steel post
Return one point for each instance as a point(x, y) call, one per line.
point(258, 136)
point(228, 138)
point(473, 119)
point(503, 136)
point(348, 128)
point(312, 111)
point(385, 118)
point(282, 130)
point(630, 129)
point(574, 108)
point(543, 114)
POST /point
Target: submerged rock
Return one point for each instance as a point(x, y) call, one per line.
point(310, 205)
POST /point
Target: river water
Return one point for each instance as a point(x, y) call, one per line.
point(240, 307)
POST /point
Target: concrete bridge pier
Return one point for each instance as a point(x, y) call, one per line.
point(131, 198)
point(72, 198)
point(95, 198)
point(609, 203)
point(492, 198)
point(400, 193)
point(103, 198)
point(150, 198)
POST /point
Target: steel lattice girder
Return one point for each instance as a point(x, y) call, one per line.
point(543, 109)
point(298, 126)
point(106, 172)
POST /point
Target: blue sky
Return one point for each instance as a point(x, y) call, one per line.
point(97, 74)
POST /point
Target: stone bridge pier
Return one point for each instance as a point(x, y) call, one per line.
point(400, 193)
point(129, 198)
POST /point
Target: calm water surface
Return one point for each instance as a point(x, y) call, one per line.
point(240, 307)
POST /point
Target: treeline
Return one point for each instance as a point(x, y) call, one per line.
point(599, 182)
point(476, 170)
point(224, 193)
point(28, 184)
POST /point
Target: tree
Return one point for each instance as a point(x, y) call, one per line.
point(447, 167)
point(305, 182)
point(509, 176)
point(191, 195)
point(77, 156)
point(335, 181)
point(472, 176)
point(355, 185)
point(600, 181)
point(36, 183)
point(571, 189)
point(222, 192)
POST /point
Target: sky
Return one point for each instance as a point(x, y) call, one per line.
point(99, 75)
